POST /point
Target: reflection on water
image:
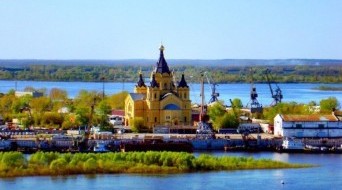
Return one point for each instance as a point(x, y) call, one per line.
point(281, 157)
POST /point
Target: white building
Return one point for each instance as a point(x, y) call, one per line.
point(312, 126)
point(34, 94)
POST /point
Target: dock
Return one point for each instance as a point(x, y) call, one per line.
point(30, 143)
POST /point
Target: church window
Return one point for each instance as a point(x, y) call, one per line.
point(155, 95)
point(184, 95)
point(155, 119)
point(184, 119)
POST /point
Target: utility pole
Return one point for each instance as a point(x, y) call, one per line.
point(103, 87)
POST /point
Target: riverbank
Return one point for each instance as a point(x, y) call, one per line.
point(15, 164)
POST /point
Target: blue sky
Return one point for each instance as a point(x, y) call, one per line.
point(189, 29)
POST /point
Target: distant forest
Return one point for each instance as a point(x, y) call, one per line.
point(307, 72)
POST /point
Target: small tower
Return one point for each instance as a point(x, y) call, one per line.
point(183, 89)
point(140, 87)
point(184, 94)
point(163, 75)
point(154, 93)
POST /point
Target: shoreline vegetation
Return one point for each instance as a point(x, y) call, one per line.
point(328, 88)
point(220, 73)
point(15, 164)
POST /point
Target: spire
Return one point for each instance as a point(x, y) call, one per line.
point(183, 83)
point(154, 82)
point(162, 66)
point(141, 82)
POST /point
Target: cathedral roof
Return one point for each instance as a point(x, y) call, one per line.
point(137, 96)
point(141, 82)
point(162, 66)
point(183, 83)
point(154, 83)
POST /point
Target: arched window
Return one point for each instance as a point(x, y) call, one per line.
point(185, 119)
point(155, 119)
point(155, 95)
point(184, 95)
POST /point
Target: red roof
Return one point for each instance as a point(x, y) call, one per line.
point(118, 112)
point(313, 117)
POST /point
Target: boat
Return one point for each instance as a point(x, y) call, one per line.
point(156, 145)
point(5, 145)
point(291, 144)
point(100, 146)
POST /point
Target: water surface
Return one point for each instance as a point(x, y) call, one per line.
point(298, 92)
point(327, 175)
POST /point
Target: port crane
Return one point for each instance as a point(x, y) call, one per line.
point(276, 93)
point(204, 130)
point(212, 85)
point(254, 104)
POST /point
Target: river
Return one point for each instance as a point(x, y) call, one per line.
point(298, 92)
point(326, 175)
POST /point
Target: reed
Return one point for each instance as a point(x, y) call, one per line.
point(328, 88)
point(14, 164)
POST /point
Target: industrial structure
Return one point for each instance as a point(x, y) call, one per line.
point(276, 93)
point(212, 86)
point(254, 104)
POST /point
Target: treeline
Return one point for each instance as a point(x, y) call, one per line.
point(219, 74)
point(14, 164)
point(56, 110)
point(221, 118)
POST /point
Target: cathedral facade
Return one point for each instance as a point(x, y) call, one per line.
point(162, 102)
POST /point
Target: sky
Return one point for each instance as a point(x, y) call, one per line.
point(189, 29)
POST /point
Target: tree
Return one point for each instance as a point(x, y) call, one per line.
point(20, 103)
point(6, 104)
point(29, 89)
point(116, 101)
point(237, 103)
point(59, 98)
point(216, 110)
point(70, 121)
point(312, 103)
point(137, 124)
point(329, 105)
point(40, 104)
point(52, 119)
point(228, 120)
point(284, 108)
point(102, 111)
point(57, 94)
point(85, 104)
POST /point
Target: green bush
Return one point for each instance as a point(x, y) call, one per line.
point(15, 164)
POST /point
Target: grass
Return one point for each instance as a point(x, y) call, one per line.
point(14, 164)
